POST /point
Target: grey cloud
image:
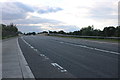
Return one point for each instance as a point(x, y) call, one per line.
point(25, 7)
point(14, 10)
point(33, 20)
point(18, 10)
point(8, 16)
point(29, 28)
point(49, 10)
point(67, 27)
point(103, 11)
point(36, 20)
point(16, 13)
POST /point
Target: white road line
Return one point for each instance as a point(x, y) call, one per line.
point(25, 41)
point(55, 64)
point(28, 73)
point(61, 42)
point(46, 57)
point(101, 42)
point(41, 54)
point(32, 47)
point(63, 70)
point(92, 48)
point(28, 43)
point(35, 49)
point(59, 67)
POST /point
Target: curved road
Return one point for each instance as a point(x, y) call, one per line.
point(72, 57)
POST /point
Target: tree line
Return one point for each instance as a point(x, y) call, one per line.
point(110, 31)
point(9, 30)
point(30, 33)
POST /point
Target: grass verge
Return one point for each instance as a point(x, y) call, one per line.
point(95, 39)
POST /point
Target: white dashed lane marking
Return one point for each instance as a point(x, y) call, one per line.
point(58, 66)
point(45, 57)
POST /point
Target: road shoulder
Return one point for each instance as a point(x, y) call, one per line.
point(14, 64)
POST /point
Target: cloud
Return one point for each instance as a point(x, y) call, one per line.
point(33, 20)
point(22, 14)
point(103, 11)
point(14, 10)
point(43, 27)
point(44, 10)
point(45, 14)
point(18, 11)
point(66, 28)
point(29, 28)
point(25, 7)
point(46, 26)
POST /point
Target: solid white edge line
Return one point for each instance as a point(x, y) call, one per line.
point(101, 42)
point(97, 49)
point(24, 63)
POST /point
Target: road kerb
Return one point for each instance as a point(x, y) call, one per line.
point(27, 73)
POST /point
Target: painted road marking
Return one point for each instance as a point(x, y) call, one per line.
point(92, 48)
point(29, 44)
point(61, 42)
point(41, 54)
point(24, 63)
point(35, 50)
point(101, 42)
point(46, 58)
point(59, 67)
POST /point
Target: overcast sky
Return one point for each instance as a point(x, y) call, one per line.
point(67, 15)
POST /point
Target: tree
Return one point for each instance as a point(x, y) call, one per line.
point(109, 31)
point(9, 30)
point(50, 32)
point(44, 32)
point(76, 33)
point(90, 31)
point(55, 32)
point(61, 32)
point(87, 31)
point(97, 32)
point(33, 33)
point(117, 31)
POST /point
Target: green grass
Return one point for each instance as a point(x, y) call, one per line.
point(105, 40)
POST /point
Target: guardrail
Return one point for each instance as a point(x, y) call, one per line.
point(96, 37)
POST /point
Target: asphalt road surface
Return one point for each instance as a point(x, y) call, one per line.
point(48, 56)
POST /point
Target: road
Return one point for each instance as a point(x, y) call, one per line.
point(73, 57)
